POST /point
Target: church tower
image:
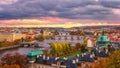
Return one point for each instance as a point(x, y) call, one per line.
point(103, 41)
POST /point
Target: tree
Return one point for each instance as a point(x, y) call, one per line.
point(59, 49)
point(85, 42)
point(10, 66)
point(7, 59)
point(40, 38)
point(83, 48)
point(65, 47)
point(15, 66)
point(16, 58)
point(113, 61)
point(1, 44)
point(52, 50)
point(82, 33)
point(46, 52)
point(7, 43)
point(6, 66)
point(71, 37)
point(0, 65)
point(16, 42)
point(77, 46)
point(56, 32)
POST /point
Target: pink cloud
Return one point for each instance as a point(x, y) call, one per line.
point(53, 22)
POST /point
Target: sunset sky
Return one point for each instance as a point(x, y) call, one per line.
point(59, 13)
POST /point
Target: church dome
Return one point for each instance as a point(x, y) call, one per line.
point(103, 39)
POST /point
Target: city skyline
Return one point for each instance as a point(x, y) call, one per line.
point(59, 13)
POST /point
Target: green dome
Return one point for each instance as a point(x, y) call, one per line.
point(103, 38)
point(34, 53)
point(103, 41)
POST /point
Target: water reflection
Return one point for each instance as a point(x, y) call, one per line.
point(20, 50)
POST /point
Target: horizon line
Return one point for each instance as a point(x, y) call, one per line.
point(59, 26)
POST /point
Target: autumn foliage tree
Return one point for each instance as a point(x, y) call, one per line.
point(17, 41)
point(82, 33)
point(77, 46)
point(7, 43)
point(58, 49)
point(11, 66)
point(1, 44)
point(40, 38)
point(113, 61)
point(0, 65)
point(16, 58)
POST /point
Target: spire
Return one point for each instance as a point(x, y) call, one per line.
point(103, 32)
point(30, 31)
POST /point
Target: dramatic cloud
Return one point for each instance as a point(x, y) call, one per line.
point(6, 2)
point(111, 4)
point(72, 10)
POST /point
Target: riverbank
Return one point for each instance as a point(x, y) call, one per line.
point(9, 47)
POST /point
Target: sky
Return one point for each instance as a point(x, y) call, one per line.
point(59, 13)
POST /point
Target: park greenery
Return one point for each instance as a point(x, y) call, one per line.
point(65, 50)
point(59, 49)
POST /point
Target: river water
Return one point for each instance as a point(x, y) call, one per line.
point(20, 50)
point(25, 50)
